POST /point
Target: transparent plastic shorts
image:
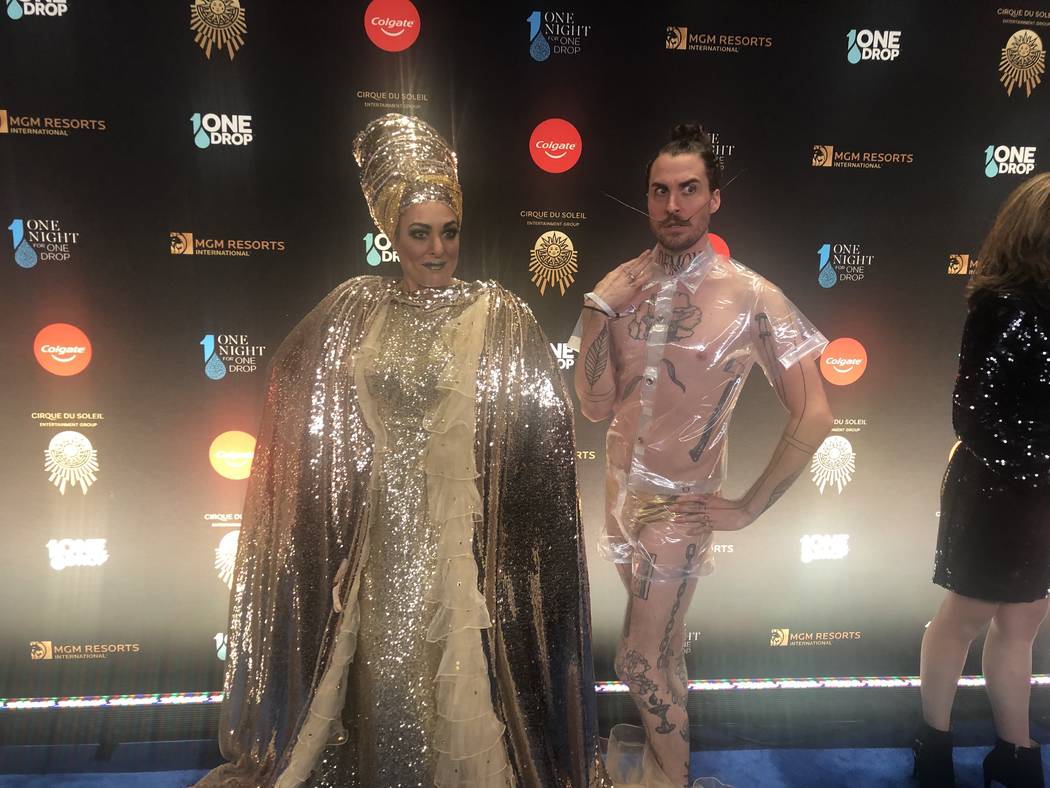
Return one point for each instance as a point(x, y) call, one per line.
point(680, 360)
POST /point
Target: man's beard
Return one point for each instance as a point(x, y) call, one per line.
point(683, 242)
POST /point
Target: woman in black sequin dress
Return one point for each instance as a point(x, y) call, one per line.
point(993, 547)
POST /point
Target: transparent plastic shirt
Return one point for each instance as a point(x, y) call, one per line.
point(680, 360)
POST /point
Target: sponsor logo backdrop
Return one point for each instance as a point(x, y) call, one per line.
point(174, 205)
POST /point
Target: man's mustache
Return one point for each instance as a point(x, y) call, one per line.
point(677, 222)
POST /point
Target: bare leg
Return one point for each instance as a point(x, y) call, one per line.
point(944, 647)
point(1007, 665)
point(649, 658)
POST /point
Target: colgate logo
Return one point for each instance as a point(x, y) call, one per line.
point(843, 361)
point(62, 349)
point(392, 25)
point(555, 145)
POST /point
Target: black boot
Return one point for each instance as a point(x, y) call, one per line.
point(1013, 766)
point(933, 757)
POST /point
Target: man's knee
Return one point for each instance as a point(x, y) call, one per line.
point(636, 663)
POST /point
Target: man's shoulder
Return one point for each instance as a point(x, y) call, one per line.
point(741, 279)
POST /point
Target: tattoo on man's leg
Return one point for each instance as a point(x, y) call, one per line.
point(634, 671)
point(660, 710)
point(664, 660)
point(643, 578)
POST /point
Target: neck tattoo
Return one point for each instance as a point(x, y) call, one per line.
point(673, 263)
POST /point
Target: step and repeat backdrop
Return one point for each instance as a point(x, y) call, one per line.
point(178, 190)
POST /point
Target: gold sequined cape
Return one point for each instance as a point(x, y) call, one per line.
point(305, 513)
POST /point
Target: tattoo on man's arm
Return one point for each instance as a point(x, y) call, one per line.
point(768, 349)
point(597, 358)
point(781, 488)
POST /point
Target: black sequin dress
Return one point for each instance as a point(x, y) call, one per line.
point(994, 538)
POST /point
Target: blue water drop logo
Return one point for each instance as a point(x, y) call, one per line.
point(371, 253)
point(214, 367)
point(25, 255)
point(991, 168)
point(14, 9)
point(539, 49)
point(852, 50)
point(200, 136)
point(828, 276)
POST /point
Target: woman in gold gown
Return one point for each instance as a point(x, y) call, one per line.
point(410, 594)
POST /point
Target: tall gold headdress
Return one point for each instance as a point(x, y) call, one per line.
point(404, 161)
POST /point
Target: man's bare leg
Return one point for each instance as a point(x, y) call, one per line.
point(650, 659)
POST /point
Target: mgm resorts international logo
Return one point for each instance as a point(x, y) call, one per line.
point(680, 38)
point(1009, 160)
point(11, 123)
point(232, 353)
point(76, 552)
point(552, 261)
point(188, 243)
point(834, 464)
point(1023, 62)
point(828, 156)
point(16, 9)
point(555, 31)
point(961, 265)
point(35, 240)
point(872, 45)
point(72, 461)
point(783, 638)
point(48, 649)
point(212, 129)
point(842, 262)
point(823, 547)
point(218, 24)
point(378, 249)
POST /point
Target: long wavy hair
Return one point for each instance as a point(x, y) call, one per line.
point(1016, 251)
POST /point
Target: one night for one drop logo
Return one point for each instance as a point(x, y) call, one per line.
point(34, 240)
point(229, 353)
point(211, 129)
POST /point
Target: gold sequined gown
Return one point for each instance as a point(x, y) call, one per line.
point(410, 599)
point(391, 683)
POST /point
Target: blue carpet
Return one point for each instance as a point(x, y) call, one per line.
point(845, 768)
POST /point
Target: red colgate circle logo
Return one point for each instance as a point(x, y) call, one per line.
point(555, 145)
point(392, 25)
point(843, 361)
point(62, 349)
point(718, 244)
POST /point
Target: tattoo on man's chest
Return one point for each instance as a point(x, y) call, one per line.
point(685, 317)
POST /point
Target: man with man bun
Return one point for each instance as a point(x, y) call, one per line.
point(667, 341)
